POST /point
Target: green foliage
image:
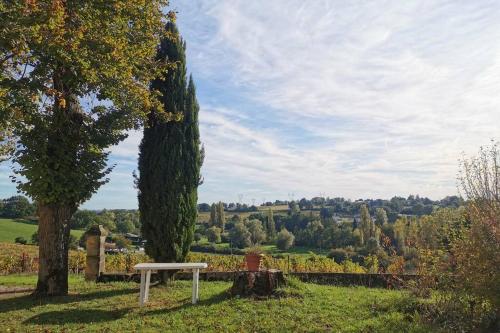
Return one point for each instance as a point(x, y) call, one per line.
point(256, 230)
point(312, 235)
point(122, 242)
point(16, 207)
point(270, 226)
point(54, 54)
point(367, 225)
point(213, 234)
point(380, 217)
point(221, 217)
point(371, 245)
point(371, 263)
point(74, 50)
point(83, 219)
point(197, 237)
point(34, 238)
point(106, 218)
point(127, 221)
point(20, 240)
point(284, 239)
point(339, 255)
point(240, 236)
point(213, 215)
point(170, 160)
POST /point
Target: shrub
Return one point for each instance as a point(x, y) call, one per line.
point(224, 237)
point(20, 240)
point(284, 239)
point(371, 245)
point(339, 255)
point(121, 242)
point(240, 236)
point(256, 230)
point(197, 237)
point(34, 238)
point(371, 264)
point(213, 234)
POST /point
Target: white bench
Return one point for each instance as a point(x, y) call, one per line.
point(146, 269)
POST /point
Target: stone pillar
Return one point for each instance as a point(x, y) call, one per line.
point(96, 237)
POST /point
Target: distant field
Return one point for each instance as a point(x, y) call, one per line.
point(10, 229)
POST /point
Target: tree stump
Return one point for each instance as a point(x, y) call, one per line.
point(260, 283)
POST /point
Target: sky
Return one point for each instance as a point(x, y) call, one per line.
point(365, 99)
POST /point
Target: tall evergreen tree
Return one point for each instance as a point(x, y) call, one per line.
point(170, 160)
point(213, 215)
point(380, 217)
point(221, 218)
point(367, 225)
point(270, 226)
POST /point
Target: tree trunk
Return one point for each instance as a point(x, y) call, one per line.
point(166, 276)
point(53, 235)
point(260, 283)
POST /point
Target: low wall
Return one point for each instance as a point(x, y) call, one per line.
point(339, 279)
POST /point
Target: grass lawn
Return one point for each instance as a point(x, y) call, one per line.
point(10, 229)
point(113, 308)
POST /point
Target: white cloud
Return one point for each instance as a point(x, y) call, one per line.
point(355, 99)
point(393, 91)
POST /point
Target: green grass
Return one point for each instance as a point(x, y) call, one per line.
point(113, 308)
point(30, 280)
point(10, 229)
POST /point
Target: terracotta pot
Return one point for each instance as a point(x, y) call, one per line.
point(253, 261)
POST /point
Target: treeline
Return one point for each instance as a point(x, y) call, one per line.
point(412, 205)
point(16, 207)
point(234, 207)
point(114, 220)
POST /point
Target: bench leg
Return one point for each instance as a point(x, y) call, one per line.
point(143, 283)
point(196, 278)
point(146, 288)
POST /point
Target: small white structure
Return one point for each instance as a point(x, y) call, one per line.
point(146, 269)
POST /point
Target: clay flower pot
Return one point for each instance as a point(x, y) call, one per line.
point(253, 261)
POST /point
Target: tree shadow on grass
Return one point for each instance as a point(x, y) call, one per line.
point(214, 299)
point(29, 301)
point(75, 316)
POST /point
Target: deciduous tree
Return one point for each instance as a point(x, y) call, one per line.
point(54, 56)
point(284, 239)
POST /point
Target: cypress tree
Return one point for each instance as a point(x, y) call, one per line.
point(169, 161)
point(367, 225)
point(213, 215)
point(271, 228)
point(221, 218)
